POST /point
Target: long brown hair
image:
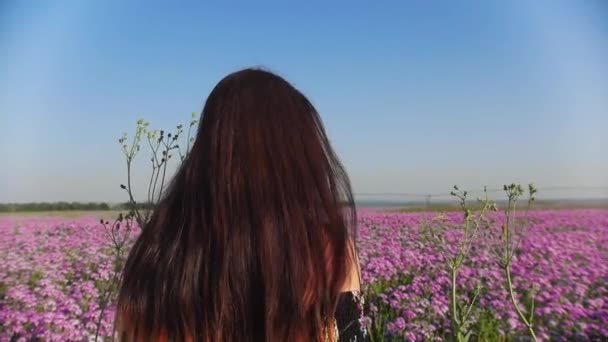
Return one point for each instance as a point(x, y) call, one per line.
point(251, 240)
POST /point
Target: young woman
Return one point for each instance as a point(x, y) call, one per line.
point(253, 241)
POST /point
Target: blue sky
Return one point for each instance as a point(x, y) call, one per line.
point(416, 95)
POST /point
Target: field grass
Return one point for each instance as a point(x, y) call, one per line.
point(433, 207)
point(539, 205)
point(105, 214)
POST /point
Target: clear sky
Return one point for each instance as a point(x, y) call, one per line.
point(416, 95)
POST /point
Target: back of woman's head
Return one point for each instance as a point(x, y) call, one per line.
point(251, 240)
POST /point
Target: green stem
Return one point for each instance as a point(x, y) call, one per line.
point(188, 139)
point(162, 182)
point(132, 200)
point(455, 320)
point(154, 162)
point(158, 166)
point(507, 231)
point(106, 297)
point(468, 312)
point(512, 294)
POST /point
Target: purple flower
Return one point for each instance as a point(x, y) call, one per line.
point(53, 272)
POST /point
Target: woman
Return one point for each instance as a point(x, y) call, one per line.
point(253, 239)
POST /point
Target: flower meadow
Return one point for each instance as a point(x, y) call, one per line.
point(53, 272)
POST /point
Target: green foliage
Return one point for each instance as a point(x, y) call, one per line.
point(487, 328)
point(384, 314)
point(53, 206)
point(474, 224)
point(35, 278)
point(162, 147)
point(3, 289)
point(435, 232)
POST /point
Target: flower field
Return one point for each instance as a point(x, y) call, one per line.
point(53, 272)
point(565, 255)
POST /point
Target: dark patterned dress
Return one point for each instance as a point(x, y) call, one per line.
point(349, 321)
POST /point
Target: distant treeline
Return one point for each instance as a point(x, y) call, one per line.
point(64, 206)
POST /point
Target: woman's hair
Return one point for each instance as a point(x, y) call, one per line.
point(251, 241)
